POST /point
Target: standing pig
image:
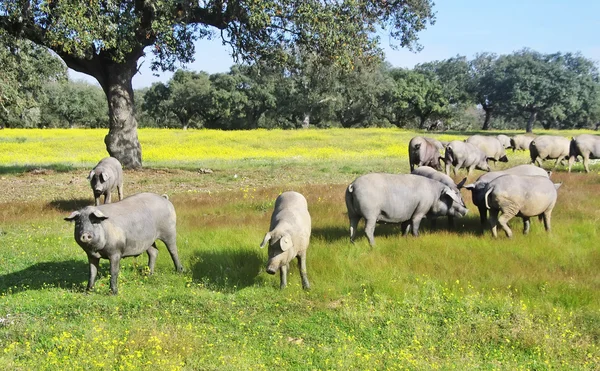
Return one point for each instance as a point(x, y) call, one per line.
point(398, 198)
point(125, 228)
point(586, 146)
point(491, 146)
point(459, 154)
point(521, 142)
point(505, 140)
point(288, 236)
point(424, 151)
point(478, 188)
point(549, 147)
point(107, 175)
point(520, 195)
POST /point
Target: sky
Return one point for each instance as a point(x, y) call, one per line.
point(462, 27)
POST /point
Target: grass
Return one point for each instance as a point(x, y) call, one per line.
point(449, 299)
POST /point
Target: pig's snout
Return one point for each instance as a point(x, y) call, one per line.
point(271, 270)
point(86, 237)
point(97, 192)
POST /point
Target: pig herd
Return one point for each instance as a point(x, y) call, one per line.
point(131, 226)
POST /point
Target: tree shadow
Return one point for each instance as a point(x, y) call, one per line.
point(42, 169)
point(65, 274)
point(70, 205)
point(331, 233)
point(227, 270)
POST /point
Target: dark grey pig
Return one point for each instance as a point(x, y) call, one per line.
point(519, 195)
point(549, 147)
point(461, 154)
point(125, 228)
point(586, 146)
point(424, 151)
point(398, 198)
point(478, 188)
point(288, 236)
point(491, 146)
point(107, 175)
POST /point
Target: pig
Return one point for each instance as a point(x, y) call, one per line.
point(431, 173)
point(520, 195)
point(478, 188)
point(105, 176)
point(491, 146)
point(459, 154)
point(521, 142)
point(288, 236)
point(549, 147)
point(125, 228)
point(586, 146)
point(424, 151)
point(504, 140)
point(398, 198)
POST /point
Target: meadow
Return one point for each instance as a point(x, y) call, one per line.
point(449, 299)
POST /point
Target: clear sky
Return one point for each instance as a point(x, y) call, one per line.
point(463, 27)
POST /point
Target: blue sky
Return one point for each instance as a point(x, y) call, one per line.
point(463, 27)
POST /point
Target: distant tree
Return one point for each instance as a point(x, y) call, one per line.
point(453, 76)
point(257, 83)
point(483, 85)
point(78, 103)
point(105, 39)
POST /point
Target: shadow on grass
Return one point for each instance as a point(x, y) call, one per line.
point(71, 205)
point(227, 270)
point(41, 169)
point(65, 274)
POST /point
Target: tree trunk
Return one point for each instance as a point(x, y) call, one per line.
point(488, 116)
point(422, 121)
point(122, 139)
point(530, 122)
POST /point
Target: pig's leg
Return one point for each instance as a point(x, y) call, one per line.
point(547, 216)
point(503, 221)
point(115, 265)
point(107, 197)
point(353, 227)
point(283, 276)
point(302, 267)
point(152, 254)
point(526, 225)
point(370, 230)
point(120, 189)
point(494, 221)
point(416, 221)
point(171, 243)
point(93, 263)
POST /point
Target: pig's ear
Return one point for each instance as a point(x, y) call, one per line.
point(98, 214)
point(91, 174)
point(470, 187)
point(285, 242)
point(72, 217)
point(266, 240)
point(104, 177)
point(461, 183)
point(452, 195)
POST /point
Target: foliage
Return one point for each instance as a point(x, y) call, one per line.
point(77, 103)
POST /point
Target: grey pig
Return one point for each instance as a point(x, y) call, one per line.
point(520, 195)
point(105, 176)
point(549, 147)
point(288, 236)
point(459, 154)
point(126, 228)
point(398, 198)
point(505, 140)
point(491, 146)
point(478, 188)
point(424, 151)
point(586, 146)
point(521, 142)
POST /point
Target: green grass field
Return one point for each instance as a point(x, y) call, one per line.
point(449, 299)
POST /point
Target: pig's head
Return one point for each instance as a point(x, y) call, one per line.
point(89, 233)
point(483, 165)
point(477, 192)
point(450, 203)
point(281, 250)
point(98, 180)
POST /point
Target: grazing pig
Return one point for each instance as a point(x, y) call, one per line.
point(504, 140)
point(431, 173)
point(549, 147)
point(478, 188)
point(424, 151)
point(288, 236)
point(107, 175)
point(461, 154)
point(491, 146)
point(586, 146)
point(521, 142)
point(519, 195)
point(125, 228)
point(398, 198)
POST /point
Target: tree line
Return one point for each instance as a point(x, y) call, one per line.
point(513, 91)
